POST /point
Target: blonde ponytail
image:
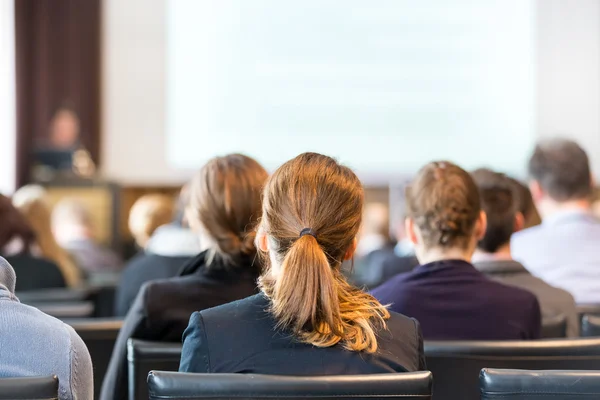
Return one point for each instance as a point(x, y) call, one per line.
point(308, 293)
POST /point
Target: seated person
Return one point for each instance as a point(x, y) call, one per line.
point(501, 203)
point(19, 247)
point(74, 231)
point(148, 214)
point(531, 216)
point(446, 294)
point(224, 208)
point(35, 344)
point(563, 250)
point(31, 201)
point(308, 320)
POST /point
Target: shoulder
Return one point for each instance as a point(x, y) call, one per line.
point(510, 296)
point(247, 309)
point(527, 236)
point(388, 291)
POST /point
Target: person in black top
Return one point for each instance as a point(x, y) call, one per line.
point(446, 293)
point(224, 208)
point(307, 320)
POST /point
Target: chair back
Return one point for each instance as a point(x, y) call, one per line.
point(99, 335)
point(175, 385)
point(554, 327)
point(29, 388)
point(590, 326)
point(587, 309)
point(510, 384)
point(143, 356)
point(456, 364)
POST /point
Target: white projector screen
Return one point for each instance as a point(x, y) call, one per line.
point(384, 87)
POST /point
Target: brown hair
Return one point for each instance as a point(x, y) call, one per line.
point(443, 201)
point(14, 226)
point(526, 205)
point(147, 214)
point(225, 198)
point(308, 294)
point(31, 201)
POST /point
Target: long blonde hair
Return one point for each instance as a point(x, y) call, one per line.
point(312, 209)
point(147, 214)
point(31, 202)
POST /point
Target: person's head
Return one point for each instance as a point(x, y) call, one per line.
point(500, 201)
point(64, 128)
point(148, 213)
point(559, 171)
point(444, 216)
point(225, 207)
point(376, 220)
point(531, 216)
point(14, 230)
point(71, 220)
point(312, 211)
point(31, 201)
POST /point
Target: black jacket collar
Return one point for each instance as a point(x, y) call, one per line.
point(218, 268)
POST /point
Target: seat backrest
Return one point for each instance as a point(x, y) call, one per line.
point(456, 364)
point(27, 388)
point(175, 385)
point(99, 335)
point(143, 356)
point(587, 309)
point(62, 310)
point(511, 384)
point(554, 327)
point(590, 326)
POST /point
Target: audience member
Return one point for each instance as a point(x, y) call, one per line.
point(308, 320)
point(35, 344)
point(531, 216)
point(167, 250)
point(500, 200)
point(147, 214)
point(224, 208)
point(31, 202)
point(73, 228)
point(18, 246)
point(563, 250)
point(446, 294)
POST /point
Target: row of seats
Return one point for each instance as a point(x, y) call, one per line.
point(494, 384)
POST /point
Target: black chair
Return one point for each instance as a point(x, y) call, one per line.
point(144, 356)
point(456, 364)
point(554, 327)
point(175, 385)
point(35, 387)
point(590, 326)
point(498, 384)
point(99, 336)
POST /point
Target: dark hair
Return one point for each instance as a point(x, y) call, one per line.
point(443, 201)
point(309, 295)
point(14, 225)
point(527, 207)
point(499, 200)
point(562, 169)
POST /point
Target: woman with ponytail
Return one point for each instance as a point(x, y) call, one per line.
point(307, 320)
point(224, 207)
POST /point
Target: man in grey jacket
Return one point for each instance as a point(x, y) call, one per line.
point(500, 201)
point(35, 344)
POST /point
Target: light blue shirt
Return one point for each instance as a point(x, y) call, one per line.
point(35, 344)
point(564, 251)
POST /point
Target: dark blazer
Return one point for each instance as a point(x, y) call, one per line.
point(142, 268)
point(454, 301)
point(241, 337)
point(162, 309)
point(380, 265)
point(35, 273)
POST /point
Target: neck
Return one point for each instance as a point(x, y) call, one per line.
point(550, 207)
point(441, 254)
point(503, 253)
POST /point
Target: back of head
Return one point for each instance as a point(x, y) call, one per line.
point(225, 207)
point(312, 210)
point(500, 201)
point(376, 220)
point(562, 169)
point(531, 216)
point(147, 214)
point(443, 201)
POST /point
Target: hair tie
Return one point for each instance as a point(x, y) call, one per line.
point(308, 231)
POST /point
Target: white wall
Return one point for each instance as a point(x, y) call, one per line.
point(568, 84)
point(8, 128)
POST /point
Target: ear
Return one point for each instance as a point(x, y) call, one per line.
point(409, 227)
point(481, 225)
point(519, 222)
point(350, 252)
point(536, 191)
point(262, 241)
